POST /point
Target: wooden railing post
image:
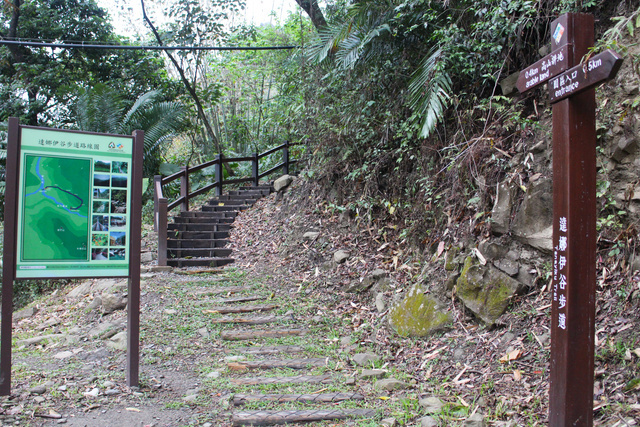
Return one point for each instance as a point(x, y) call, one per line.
point(219, 176)
point(162, 231)
point(184, 189)
point(285, 158)
point(157, 182)
point(255, 169)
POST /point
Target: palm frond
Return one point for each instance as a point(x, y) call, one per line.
point(99, 110)
point(137, 109)
point(429, 91)
point(365, 22)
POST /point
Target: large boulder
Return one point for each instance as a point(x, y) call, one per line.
point(533, 222)
point(501, 213)
point(283, 182)
point(418, 315)
point(485, 290)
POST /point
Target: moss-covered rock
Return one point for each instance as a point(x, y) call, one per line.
point(450, 260)
point(418, 315)
point(485, 290)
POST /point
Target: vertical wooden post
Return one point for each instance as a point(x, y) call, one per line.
point(285, 158)
point(133, 312)
point(184, 189)
point(219, 176)
point(162, 231)
point(9, 253)
point(574, 239)
point(255, 174)
point(157, 183)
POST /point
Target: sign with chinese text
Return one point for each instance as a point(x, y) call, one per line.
point(548, 67)
point(595, 70)
point(74, 198)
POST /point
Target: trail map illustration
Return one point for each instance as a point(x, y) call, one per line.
point(57, 197)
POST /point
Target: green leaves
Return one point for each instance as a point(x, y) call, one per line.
point(104, 110)
point(429, 91)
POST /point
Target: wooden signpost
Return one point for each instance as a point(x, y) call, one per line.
point(572, 83)
point(72, 209)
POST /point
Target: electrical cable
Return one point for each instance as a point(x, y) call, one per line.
point(138, 47)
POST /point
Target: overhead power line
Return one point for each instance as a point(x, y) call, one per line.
point(134, 47)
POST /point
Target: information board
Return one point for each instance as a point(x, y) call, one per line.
point(74, 194)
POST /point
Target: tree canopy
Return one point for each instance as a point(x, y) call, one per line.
point(37, 84)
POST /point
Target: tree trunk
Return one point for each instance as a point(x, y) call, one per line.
point(187, 84)
point(314, 12)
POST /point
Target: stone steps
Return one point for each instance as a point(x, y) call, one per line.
point(266, 418)
point(322, 406)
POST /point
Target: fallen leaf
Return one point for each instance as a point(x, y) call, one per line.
point(517, 375)
point(383, 246)
point(233, 366)
point(510, 357)
point(440, 249)
point(383, 397)
point(480, 257)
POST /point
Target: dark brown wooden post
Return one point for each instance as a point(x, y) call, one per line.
point(574, 237)
point(255, 168)
point(162, 231)
point(184, 189)
point(285, 158)
point(219, 176)
point(9, 255)
point(157, 183)
point(133, 313)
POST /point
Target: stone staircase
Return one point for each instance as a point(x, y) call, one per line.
point(198, 238)
point(269, 348)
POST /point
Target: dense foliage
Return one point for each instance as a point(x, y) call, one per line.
point(398, 102)
point(38, 84)
point(404, 105)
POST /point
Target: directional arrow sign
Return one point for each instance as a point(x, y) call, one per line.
point(598, 69)
point(546, 68)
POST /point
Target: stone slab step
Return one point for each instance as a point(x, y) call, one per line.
point(251, 335)
point(267, 349)
point(241, 399)
point(265, 418)
point(218, 291)
point(199, 252)
point(297, 379)
point(236, 300)
point(252, 320)
point(199, 262)
point(196, 243)
point(197, 235)
point(276, 364)
point(243, 309)
point(198, 227)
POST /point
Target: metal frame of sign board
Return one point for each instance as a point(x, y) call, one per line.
point(38, 182)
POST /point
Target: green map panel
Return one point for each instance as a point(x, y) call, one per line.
point(56, 208)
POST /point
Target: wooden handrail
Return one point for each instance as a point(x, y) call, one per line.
point(273, 150)
point(161, 204)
